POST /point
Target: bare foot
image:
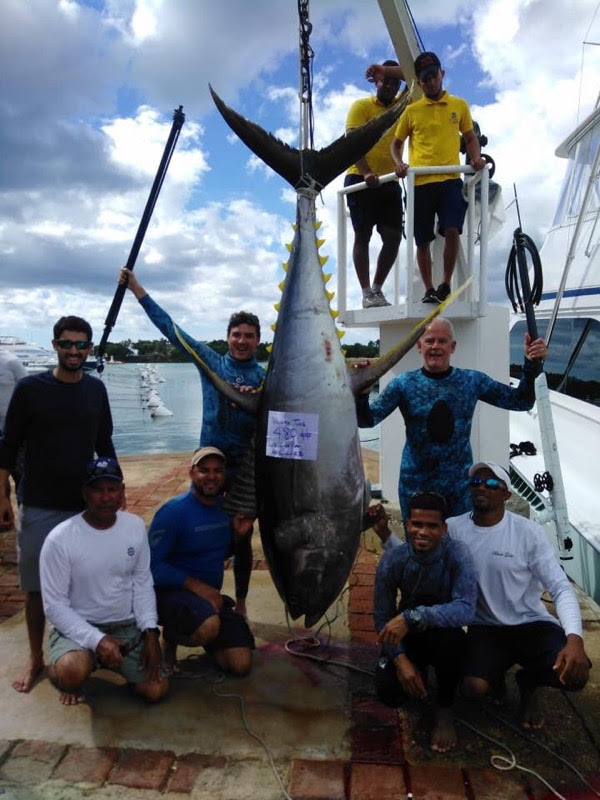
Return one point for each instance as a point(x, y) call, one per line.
point(169, 656)
point(71, 698)
point(240, 607)
point(27, 678)
point(530, 714)
point(443, 733)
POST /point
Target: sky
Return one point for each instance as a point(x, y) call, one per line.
point(88, 90)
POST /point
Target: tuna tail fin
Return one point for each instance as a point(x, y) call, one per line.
point(362, 378)
point(247, 401)
point(314, 168)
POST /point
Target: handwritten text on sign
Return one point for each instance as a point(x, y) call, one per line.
point(292, 435)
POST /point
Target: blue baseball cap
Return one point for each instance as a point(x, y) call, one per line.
point(103, 468)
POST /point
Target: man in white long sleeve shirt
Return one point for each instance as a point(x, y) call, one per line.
point(98, 592)
point(514, 563)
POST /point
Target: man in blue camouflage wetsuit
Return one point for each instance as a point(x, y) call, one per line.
point(438, 592)
point(224, 425)
point(437, 403)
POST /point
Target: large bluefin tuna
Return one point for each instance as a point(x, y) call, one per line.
point(309, 478)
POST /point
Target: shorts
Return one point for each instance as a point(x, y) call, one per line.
point(127, 631)
point(181, 612)
point(492, 649)
point(33, 526)
point(379, 207)
point(443, 198)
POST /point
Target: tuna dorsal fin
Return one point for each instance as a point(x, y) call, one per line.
point(365, 376)
point(317, 167)
point(247, 401)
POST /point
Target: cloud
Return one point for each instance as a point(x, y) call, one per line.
point(86, 110)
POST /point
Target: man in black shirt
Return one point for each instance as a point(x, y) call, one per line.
point(63, 418)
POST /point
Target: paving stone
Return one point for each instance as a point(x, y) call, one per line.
point(437, 783)
point(91, 765)
point(489, 784)
point(368, 713)
point(376, 782)
point(362, 580)
point(142, 769)
point(361, 605)
point(363, 637)
point(317, 780)
point(188, 769)
point(377, 745)
point(362, 593)
point(31, 761)
point(361, 622)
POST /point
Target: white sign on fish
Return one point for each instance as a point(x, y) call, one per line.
point(292, 435)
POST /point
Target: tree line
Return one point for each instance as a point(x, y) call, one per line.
point(162, 351)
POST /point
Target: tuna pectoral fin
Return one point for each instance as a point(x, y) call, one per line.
point(318, 166)
point(247, 401)
point(362, 378)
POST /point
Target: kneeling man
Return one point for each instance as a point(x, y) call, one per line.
point(514, 563)
point(190, 538)
point(435, 579)
point(98, 594)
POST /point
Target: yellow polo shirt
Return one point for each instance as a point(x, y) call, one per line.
point(378, 157)
point(433, 128)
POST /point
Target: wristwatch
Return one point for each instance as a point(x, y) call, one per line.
point(413, 619)
point(153, 630)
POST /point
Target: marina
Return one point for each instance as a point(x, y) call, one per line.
point(305, 724)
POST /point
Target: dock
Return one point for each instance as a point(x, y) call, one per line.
point(314, 720)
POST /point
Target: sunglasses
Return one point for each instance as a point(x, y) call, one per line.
point(489, 483)
point(67, 344)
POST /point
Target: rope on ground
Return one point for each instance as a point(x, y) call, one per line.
point(219, 677)
point(251, 733)
point(504, 763)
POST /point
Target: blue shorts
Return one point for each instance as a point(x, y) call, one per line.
point(379, 207)
point(33, 526)
point(444, 199)
point(182, 612)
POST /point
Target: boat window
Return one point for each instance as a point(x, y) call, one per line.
point(573, 363)
point(581, 160)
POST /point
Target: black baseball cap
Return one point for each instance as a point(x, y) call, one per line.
point(426, 64)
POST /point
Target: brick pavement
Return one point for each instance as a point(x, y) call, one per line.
point(381, 766)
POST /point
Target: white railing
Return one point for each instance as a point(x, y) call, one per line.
point(474, 233)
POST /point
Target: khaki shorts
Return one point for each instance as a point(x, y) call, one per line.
point(127, 631)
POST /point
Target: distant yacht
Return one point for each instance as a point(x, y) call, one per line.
point(33, 357)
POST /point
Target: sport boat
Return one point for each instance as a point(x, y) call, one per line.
point(555, 465)
point(568, 317)
point(33, 357)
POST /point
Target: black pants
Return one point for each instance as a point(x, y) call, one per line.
point(242, 565)
point(440, 648)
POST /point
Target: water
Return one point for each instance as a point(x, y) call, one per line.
point(136, 432)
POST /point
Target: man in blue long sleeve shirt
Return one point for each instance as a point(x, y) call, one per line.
point(190, 538)
point(438, 592)
point(224, 425)
point(438, 402)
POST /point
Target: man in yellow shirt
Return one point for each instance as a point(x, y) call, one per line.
point(434, 125)
point(381, 204)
